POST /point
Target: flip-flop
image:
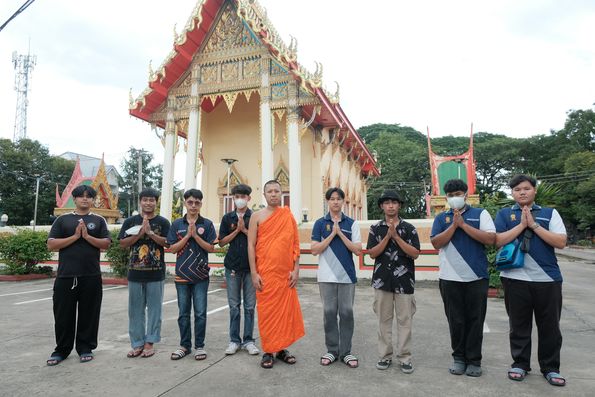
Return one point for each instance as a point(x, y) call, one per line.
point(551, 379)
point(351, 361)
point(148, 353)
point(54, 360)
point(518, 371)
point(285, 356)
point(327, 359)
point(137, 351)
point(86, 357)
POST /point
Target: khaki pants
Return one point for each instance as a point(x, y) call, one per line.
point(403, 305)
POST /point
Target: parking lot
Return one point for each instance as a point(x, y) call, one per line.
point(28, 338)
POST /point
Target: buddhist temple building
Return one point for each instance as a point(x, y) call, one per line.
point(443, 168)
point(233, 96)
point(106, 201)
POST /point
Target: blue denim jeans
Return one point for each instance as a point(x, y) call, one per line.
point(190, 295)
point(238, 282)
point(144, 297)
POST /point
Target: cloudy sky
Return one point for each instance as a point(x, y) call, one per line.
point(510, 67)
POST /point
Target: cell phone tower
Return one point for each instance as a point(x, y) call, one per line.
point(23, 66)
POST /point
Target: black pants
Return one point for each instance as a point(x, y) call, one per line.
point(523, 299)
point(86, 293)
point(465, 305)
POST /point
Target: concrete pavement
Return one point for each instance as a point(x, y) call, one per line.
point(28, 338)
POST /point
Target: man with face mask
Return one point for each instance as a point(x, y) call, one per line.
point(234, 231)
point(460, 234)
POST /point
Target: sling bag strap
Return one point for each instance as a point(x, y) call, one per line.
point(528, 234)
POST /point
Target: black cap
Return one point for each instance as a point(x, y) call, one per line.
point(389, 194)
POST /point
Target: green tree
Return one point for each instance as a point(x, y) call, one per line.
point(151, 177)
point(20, 165)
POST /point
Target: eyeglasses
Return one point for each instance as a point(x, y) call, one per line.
point(192, 203)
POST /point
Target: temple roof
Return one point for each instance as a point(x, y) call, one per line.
point(189, 41)
point(89, 165)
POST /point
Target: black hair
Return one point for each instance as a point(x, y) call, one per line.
point(272, 181)
point(332, 190)
point(455, 185)
point(241, 189)
point(197, 194)
point(149, 192)
point(518, 179)
point(80, 191)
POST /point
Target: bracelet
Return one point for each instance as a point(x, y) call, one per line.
point(535, 226)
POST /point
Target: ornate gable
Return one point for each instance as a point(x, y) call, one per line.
point(230, 32)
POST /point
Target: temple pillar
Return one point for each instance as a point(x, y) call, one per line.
point(193, 136)
point(266, 128)
point(295, 162)
point(167, 184)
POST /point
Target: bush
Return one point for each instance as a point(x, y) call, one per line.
point(494, 274)
point(22, 251)
point(117, 256)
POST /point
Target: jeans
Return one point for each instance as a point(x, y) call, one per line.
point(236, 282)
point(144, 297)
point(192, 295)
point(337, 299)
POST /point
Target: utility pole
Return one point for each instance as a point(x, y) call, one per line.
point(23, 66)
point(36, 199)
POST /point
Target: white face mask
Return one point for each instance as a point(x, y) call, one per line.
point(457, 202)
point(240, 203)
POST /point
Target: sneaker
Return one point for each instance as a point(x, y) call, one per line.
point(232, 348)
point(384, 364)
point(407, 368)
point(251, 348)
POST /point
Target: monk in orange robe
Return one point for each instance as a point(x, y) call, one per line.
point(274, 255)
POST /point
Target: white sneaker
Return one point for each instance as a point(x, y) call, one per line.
point(232, 348)
point(251, 348)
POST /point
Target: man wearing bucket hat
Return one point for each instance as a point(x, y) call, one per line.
point(394, 245)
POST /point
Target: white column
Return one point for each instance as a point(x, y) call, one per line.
point(167, 184)
point(266, 128)
point(193, 138)
point(295, 163)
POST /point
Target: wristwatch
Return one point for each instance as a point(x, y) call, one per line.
point(151, 233)
point(535, 226)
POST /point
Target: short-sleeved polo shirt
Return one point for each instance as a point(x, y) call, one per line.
point(394, 270)
point(541, 263)
point(463, 258)
point(335, 264)
point(192, 261)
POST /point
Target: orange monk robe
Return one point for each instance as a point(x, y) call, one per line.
point(279, 314)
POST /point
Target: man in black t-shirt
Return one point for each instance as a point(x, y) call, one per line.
point(394, 245)
point(145, 235)
point(234, 231)
point(78, 236)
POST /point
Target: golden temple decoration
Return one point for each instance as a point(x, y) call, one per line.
point(279, 113)
point(251, 68)
point(208, 74)
point(229, 71)
point(230, 99)
point(230, 32)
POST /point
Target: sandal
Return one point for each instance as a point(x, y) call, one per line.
point(200, 354)
point(148, 353)
point(86, 357)
point(555, 379)
point(178, 354)
point(327, 359)
point(473, 370)
point(267, 361)
point(517, 374)
point(457, 368)
point(137, 351)
point(54, 360)
point(285, 356)
point(351, 361)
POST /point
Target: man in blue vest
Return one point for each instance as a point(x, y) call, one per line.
point(536, 288)
point(461, 234)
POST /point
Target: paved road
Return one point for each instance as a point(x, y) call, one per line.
point(28, 338)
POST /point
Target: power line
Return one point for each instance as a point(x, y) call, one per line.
point(22, 8)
